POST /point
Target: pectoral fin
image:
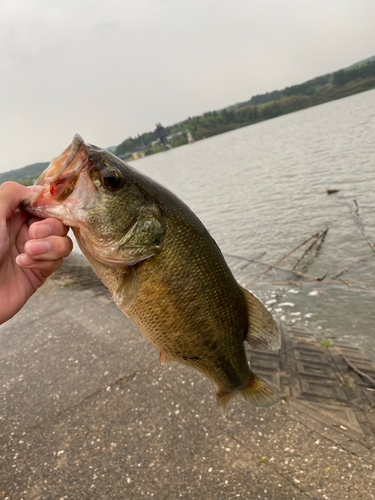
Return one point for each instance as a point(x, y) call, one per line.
point(164, 359)
point(263, 332)
point(128, 289)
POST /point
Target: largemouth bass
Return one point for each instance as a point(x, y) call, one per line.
point(161, 266)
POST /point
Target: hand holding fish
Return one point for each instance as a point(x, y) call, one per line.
point(31, 249)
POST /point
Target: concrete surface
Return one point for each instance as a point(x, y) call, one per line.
point(88, 412)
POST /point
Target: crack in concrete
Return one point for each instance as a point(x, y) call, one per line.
point(120, 381)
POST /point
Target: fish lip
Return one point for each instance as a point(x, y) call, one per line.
point(47, 181)
point(58, 185)
point(77, 142)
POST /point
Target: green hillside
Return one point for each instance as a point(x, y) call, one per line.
point(25, 175)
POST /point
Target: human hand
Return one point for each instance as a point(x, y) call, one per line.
point(31, 249)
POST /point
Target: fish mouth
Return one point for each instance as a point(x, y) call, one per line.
point(65, 186)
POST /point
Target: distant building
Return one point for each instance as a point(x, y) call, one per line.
point(174, 136)
point(189, 137)
point(138, 154)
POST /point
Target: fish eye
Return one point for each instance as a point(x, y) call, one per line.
point(111, 179)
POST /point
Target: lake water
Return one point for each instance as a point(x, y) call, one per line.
point(261, 190)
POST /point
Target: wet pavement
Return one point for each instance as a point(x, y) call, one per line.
point(88, 412)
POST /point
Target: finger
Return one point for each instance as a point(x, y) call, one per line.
point(47, 227)
point(50, 248)
point(15, 225)
point(46, 266)
point(11, 195)
point(33, 220)
point(21, 237)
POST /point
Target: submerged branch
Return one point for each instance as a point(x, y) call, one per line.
point(256, 261)
point(315, 237)
point(284, 257)
point(365, 259)
point(320, 236)
point(360, 225)
point(354, 368)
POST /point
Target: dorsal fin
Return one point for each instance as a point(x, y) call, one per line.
point(263, 332)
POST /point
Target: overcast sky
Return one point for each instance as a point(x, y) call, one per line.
point(110, 69)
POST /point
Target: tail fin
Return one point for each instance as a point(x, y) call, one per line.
point(257, 392)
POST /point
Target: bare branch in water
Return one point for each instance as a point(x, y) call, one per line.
point(320, 236)
point(360, 225)
point(315, 237)
point(365, 259)
point(354, 368)
point(256, 261)
point(282, 258)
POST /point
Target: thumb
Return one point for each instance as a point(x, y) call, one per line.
point(11, 195)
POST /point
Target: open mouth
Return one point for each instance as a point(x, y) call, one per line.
point(61, 176)
point(59, 180)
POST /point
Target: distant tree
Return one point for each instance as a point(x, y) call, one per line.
point(339, 78)
point(161, 133)
point(342, 76)
point(126, 146)
point(228, 115)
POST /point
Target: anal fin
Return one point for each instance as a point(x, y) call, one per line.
point(263, 332)
point(256, 392)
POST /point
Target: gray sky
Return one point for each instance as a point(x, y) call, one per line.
point(110, 69)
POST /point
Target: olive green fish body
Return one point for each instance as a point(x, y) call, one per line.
point(162, 267)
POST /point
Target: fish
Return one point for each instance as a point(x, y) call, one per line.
point(161, 266)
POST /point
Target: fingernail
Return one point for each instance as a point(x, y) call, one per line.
point(38, 247)
point(22, 259)
point(40, 230)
